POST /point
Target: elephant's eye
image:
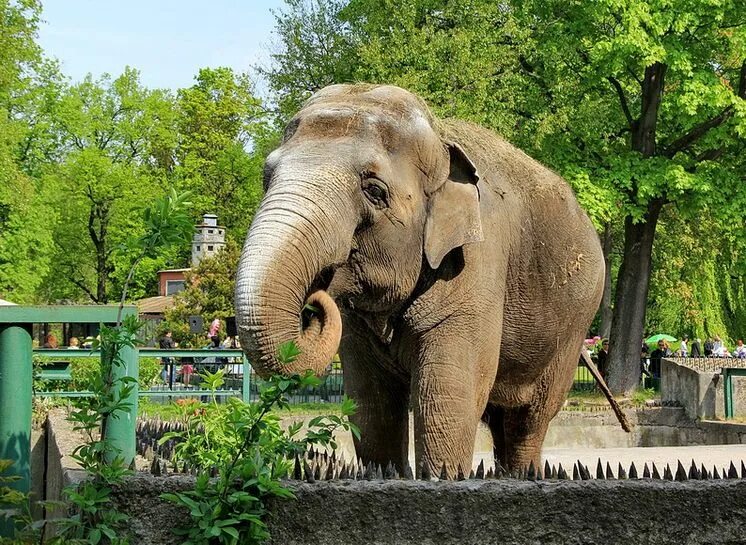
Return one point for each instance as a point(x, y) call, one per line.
point(375, 192)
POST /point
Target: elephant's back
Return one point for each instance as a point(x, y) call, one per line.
point(554, 260)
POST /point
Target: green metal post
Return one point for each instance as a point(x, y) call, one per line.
point(246, 382)
point(16, 373)
point(121, 425)
point(728, 393)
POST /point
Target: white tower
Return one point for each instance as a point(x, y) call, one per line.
point(208, 239)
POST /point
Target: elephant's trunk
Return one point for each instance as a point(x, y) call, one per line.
point(295, 240)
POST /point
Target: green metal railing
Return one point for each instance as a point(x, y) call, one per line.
point(16, 379)
point(62, 373)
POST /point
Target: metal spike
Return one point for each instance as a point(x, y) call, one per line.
point(539, 476)
point(471, 475)
point(317, 472)
point(656, 475)
point(480, 470)
point(370, 472)
point(297, 474)
point(326, 457)
point(743, 470)
point(680, 472)
point(715, 474)
point(553, 474)
point(334, 456)
point(583, 470)
point(311, 453)
point(667, 475)
point(490, 474)
point(359, 473)
point(460, 474)
point(694, 472)
point(609, 472)
point(390, 471)
point(633, 471)
point(343, 473)
point(425, 471)
point(408, 475)
point(732, 471)
point(155, 467)
point(646, 472)
point(621, 474)
point(561, 473)
point(575, 472)
point(547, 470)
point(307, 472)
point(329, 473)
point(379, 473)
point(531, 475)
point(499, 471)
point(443, 473)
point(703, 473)
point(599, 470)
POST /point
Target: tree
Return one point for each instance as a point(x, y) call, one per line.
point(222, 126)
point(316, 48)
point(114, 137)
point(671, 79)
point(25, 241)
point(209, 292)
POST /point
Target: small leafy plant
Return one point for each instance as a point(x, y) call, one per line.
point(14, 509)
point(246, 448)
point(94, 519)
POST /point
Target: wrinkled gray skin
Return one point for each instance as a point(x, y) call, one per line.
point(465, 272)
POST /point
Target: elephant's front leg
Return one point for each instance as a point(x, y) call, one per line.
point(450, 385)
point(382, 405)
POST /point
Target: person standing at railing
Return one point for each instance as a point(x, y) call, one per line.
point(655, 358)
point(603, 354)
point(167, 343)
point(696, 348)
point(740, 351)
point(50, 342)
point(683, 347)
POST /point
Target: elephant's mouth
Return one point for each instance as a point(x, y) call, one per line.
point(311, 311)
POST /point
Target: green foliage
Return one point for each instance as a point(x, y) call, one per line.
point(209, 292)
point(246, 446)
point(219, 120)
point(95, 519)
point(14, 506)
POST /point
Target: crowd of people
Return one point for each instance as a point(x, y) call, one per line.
point(650, 361)
point(187, 365)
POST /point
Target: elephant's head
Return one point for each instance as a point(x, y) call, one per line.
point(360, 190)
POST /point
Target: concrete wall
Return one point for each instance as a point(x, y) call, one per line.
point(473, 512)
point(700, 392)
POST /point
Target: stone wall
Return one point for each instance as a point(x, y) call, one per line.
point(700, 391)
point(473, 512)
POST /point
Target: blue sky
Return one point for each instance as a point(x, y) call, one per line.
point(167, 40)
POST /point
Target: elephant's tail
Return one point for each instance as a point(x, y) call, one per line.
point(626, 426)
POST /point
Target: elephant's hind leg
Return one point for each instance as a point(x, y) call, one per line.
point(517, 435)
point(518, 432)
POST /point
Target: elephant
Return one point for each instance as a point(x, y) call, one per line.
point(455, 275)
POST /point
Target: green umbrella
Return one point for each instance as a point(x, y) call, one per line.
point(658, 337)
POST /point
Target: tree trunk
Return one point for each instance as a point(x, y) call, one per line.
point(630, 302)
point(606, 310)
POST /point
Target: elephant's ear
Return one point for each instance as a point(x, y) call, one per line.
point(453, 217)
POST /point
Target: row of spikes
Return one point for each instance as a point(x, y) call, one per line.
point(305, 469)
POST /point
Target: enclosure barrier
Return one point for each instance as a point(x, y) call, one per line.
point(16, 376)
